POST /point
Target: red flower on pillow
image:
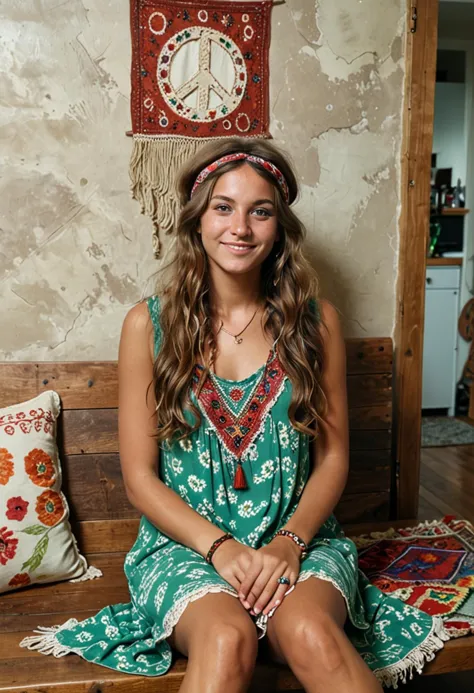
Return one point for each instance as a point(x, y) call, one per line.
point(17, 508)
point(20, 580)
point(39, 467)
point(7, 545)
point(6, 466)
point(49, 507)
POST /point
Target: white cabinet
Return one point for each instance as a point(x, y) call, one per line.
point(440, 337)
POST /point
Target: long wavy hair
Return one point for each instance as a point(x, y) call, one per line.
point(187, 316)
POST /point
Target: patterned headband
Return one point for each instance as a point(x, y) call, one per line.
point(267, 165)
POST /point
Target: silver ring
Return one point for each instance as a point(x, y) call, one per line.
point(283, 580)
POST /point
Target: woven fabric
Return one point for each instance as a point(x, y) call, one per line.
point(199, 71)
point(430, 566)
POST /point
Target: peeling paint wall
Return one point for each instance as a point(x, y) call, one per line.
point(75, 253)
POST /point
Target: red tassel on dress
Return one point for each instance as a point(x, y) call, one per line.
point(240, 482)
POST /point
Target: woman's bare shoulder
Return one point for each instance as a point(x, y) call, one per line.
point(331, 320)
point(138, 318)
point(137, 326)
point(329, 312)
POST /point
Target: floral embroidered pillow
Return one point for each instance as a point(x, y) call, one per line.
point(36, 541)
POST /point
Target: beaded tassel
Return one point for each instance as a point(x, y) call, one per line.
point(240, 482)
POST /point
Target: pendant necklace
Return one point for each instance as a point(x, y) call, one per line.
point(237, 338)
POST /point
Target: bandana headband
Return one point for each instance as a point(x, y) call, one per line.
point(267, 165)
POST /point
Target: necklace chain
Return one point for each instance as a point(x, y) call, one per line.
point(237, 338)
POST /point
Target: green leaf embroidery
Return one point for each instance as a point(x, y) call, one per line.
point(37, 556)
point(34, 529)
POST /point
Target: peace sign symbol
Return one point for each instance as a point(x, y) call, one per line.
point(177, 89)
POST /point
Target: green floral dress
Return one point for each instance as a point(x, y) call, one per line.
point(244, 423)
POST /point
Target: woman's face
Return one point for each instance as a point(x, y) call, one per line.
point(241, 213)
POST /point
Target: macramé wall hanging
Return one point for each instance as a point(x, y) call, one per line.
point(199, 71)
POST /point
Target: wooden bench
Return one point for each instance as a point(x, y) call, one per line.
point(106, 525)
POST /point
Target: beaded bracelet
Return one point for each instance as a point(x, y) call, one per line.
point(298, 541)
point(216, 545)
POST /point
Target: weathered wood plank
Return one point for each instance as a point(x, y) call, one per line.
point(72, 674)
point(360, 439)
point(29, 621)
point(367, 480)
point(80, 384)
point(369, 390)
point(89, 431)
point(371, 417)
point(105, 536)
point(363, 507)
point(68, 596)
point(94, 487)
point(93, 384)
point(456, 655)
point(369, 355)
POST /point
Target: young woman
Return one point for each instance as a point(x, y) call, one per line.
point(233, 430)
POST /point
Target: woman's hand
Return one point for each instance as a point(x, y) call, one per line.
point(260, 590)
point(232, 561)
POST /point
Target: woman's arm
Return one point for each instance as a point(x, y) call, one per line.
point(330, 452)
point(323, 489)
point(139, 450)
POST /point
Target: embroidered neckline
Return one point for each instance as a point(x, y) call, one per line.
point(216, 377)
point(237, 430)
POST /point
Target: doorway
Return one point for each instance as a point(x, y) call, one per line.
point(436, 263)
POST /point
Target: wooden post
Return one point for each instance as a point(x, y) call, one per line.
point(421, 45)
point(471, 402)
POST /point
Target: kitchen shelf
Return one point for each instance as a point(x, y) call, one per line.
point(450, 212)
point(443, 261)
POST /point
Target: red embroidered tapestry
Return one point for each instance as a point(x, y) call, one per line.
point(430, 566)
point(199, 71)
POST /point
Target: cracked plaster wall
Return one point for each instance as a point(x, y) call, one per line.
point(75, 253)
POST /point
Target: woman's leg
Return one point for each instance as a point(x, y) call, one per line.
point(307, 633)
point(220, 640)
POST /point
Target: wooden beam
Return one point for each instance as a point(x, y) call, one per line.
point(420, 79)
point(471, 402)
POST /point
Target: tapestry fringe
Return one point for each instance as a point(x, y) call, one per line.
point(91, 573)
point(154, 166)
point(46, 641)
point(400, 672)
point(363, 540)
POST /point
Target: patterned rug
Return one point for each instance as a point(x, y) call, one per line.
point(430, 566)
point(445, 430)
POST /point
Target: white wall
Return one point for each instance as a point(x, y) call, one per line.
point(449, 137)
point(467, 271)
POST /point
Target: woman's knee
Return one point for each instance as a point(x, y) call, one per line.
point(228, 646)
point(314, 643)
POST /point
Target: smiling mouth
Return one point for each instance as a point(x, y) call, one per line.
point(232, 246)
